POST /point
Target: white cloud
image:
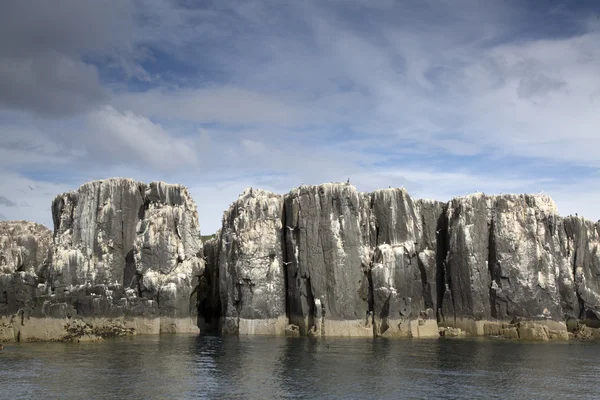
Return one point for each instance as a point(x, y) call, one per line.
point(224, 104)
point(130, 138)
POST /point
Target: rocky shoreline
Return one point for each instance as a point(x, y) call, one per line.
point(126, 258)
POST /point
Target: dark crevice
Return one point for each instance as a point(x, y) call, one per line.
point(371, 298)
point(286, 259)
point(580, 301)
point(312, 309)
point(493, 271)
point(385, 316)
point(441, 278)
point(425, 287)
point(130, 269)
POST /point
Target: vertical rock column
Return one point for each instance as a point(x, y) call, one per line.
point(403, 271)
point(466, 265)
point(328, 285)
point(582, 242)
point(251, 266)
point(129, 251)
point(94, 233)
point(507, 258)
point(532, 276)
point(168, 255)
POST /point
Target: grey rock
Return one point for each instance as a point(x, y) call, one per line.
point(121, 250)
point(404, 268)
point(24, 246)
point(126, 257)
point(328, 288)
point(532, 275)
point(168, 252)
point(95, 230)
point(582, 245)
point(251, 265)
point(507, 257)
point(467, 260)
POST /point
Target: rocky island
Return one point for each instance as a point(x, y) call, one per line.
point(126, 257)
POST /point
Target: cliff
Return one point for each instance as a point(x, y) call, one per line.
point(126, 257)
point(383, 264)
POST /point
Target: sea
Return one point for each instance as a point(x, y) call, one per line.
point(212, 367)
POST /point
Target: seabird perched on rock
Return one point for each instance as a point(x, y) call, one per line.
point(1, 347)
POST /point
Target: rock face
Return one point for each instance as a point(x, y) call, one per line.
point(403, 272)
point(24, 247)
point(24, 257)
point(126, 257)
point(251, 266)
point(333, 261)
point(361, 264)
point(582, 245)
point(328, 286)
point(509, 257)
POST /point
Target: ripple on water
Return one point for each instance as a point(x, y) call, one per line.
point(189, 367)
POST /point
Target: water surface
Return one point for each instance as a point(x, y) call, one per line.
point(191, 367)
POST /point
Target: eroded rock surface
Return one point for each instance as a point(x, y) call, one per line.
point(403, 271)
point(251, 265)
point(508, 256)
point(328, 287)
point(24, 246)
point(125, 257)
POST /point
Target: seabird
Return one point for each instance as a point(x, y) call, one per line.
point(290, 228)
point(348, 180)
point(30, 187)
point(438, 231)
point(286, 263)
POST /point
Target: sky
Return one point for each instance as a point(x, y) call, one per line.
point(442, 97)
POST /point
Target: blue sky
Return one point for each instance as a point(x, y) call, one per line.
point(441, 97)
